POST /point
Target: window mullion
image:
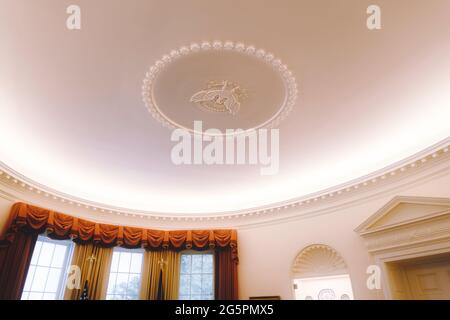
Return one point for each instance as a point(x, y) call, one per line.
point(129, 273)
point(36, 265)
point(117, 273)
point(49, 268)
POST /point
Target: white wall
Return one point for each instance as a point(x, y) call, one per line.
point(267, 252)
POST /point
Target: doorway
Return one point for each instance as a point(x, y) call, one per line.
point(338, 287)
point(426, 278)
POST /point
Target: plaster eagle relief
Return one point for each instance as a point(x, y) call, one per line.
point(222, 96)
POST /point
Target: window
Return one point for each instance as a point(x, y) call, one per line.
point(125, 275)
point(46, 276)
point(197, 276)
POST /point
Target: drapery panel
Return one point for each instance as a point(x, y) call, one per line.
point(94, 263)
point(151, 272)
point(15, 258)
point(62, 226)
point(226, 276)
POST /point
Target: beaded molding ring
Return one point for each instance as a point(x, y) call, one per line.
point(286, 75)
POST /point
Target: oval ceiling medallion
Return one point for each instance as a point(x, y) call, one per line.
point(227, 86)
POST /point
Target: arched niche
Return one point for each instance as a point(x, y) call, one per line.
point(320, 272)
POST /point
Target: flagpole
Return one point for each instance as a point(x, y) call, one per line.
point(85, 293)
point(159, 294)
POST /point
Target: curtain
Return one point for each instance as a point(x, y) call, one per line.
point(151, 274)
point(94, 263)
point(62, 226)
point(15, 258)
point(226, 278)
point(92, 238)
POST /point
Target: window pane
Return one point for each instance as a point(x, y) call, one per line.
point(133, 285)
point(185, 284)
point(40, 277)
point(207, 284)
point(196, 284)
point(58, 256)
point(207, 263)
point(124, 262)
point(37, 250)
point(112, 282)
point(197, 263)
point(45, 257)
point(136, 263)
point(115, 261)
point(122, 282)
point(35, 296)
point(53, 280)
point(186, 263)
point(30, 276)
point(49, 296)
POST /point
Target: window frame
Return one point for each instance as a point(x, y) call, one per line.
point(131, 251)
point(62, 281)
point(196, 252)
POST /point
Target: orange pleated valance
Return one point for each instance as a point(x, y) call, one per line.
point(62, 226)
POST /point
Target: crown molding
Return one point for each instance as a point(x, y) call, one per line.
point(428, 164)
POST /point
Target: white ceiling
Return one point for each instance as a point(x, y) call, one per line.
point(72, 116)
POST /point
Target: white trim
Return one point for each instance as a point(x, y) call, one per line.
point(426, 235)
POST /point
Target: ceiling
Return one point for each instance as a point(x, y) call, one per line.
point(72, 116)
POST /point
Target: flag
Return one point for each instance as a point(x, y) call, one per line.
point(85, 294)
point(159, 296)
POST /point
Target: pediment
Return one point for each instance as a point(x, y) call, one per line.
point(402, 211)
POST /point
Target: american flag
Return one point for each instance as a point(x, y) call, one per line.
point(159, 295)
point(85, 294)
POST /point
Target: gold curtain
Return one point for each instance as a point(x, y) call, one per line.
point(94, 263)
point(151, 272)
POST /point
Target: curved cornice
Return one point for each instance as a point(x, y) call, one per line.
point(433, 161)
